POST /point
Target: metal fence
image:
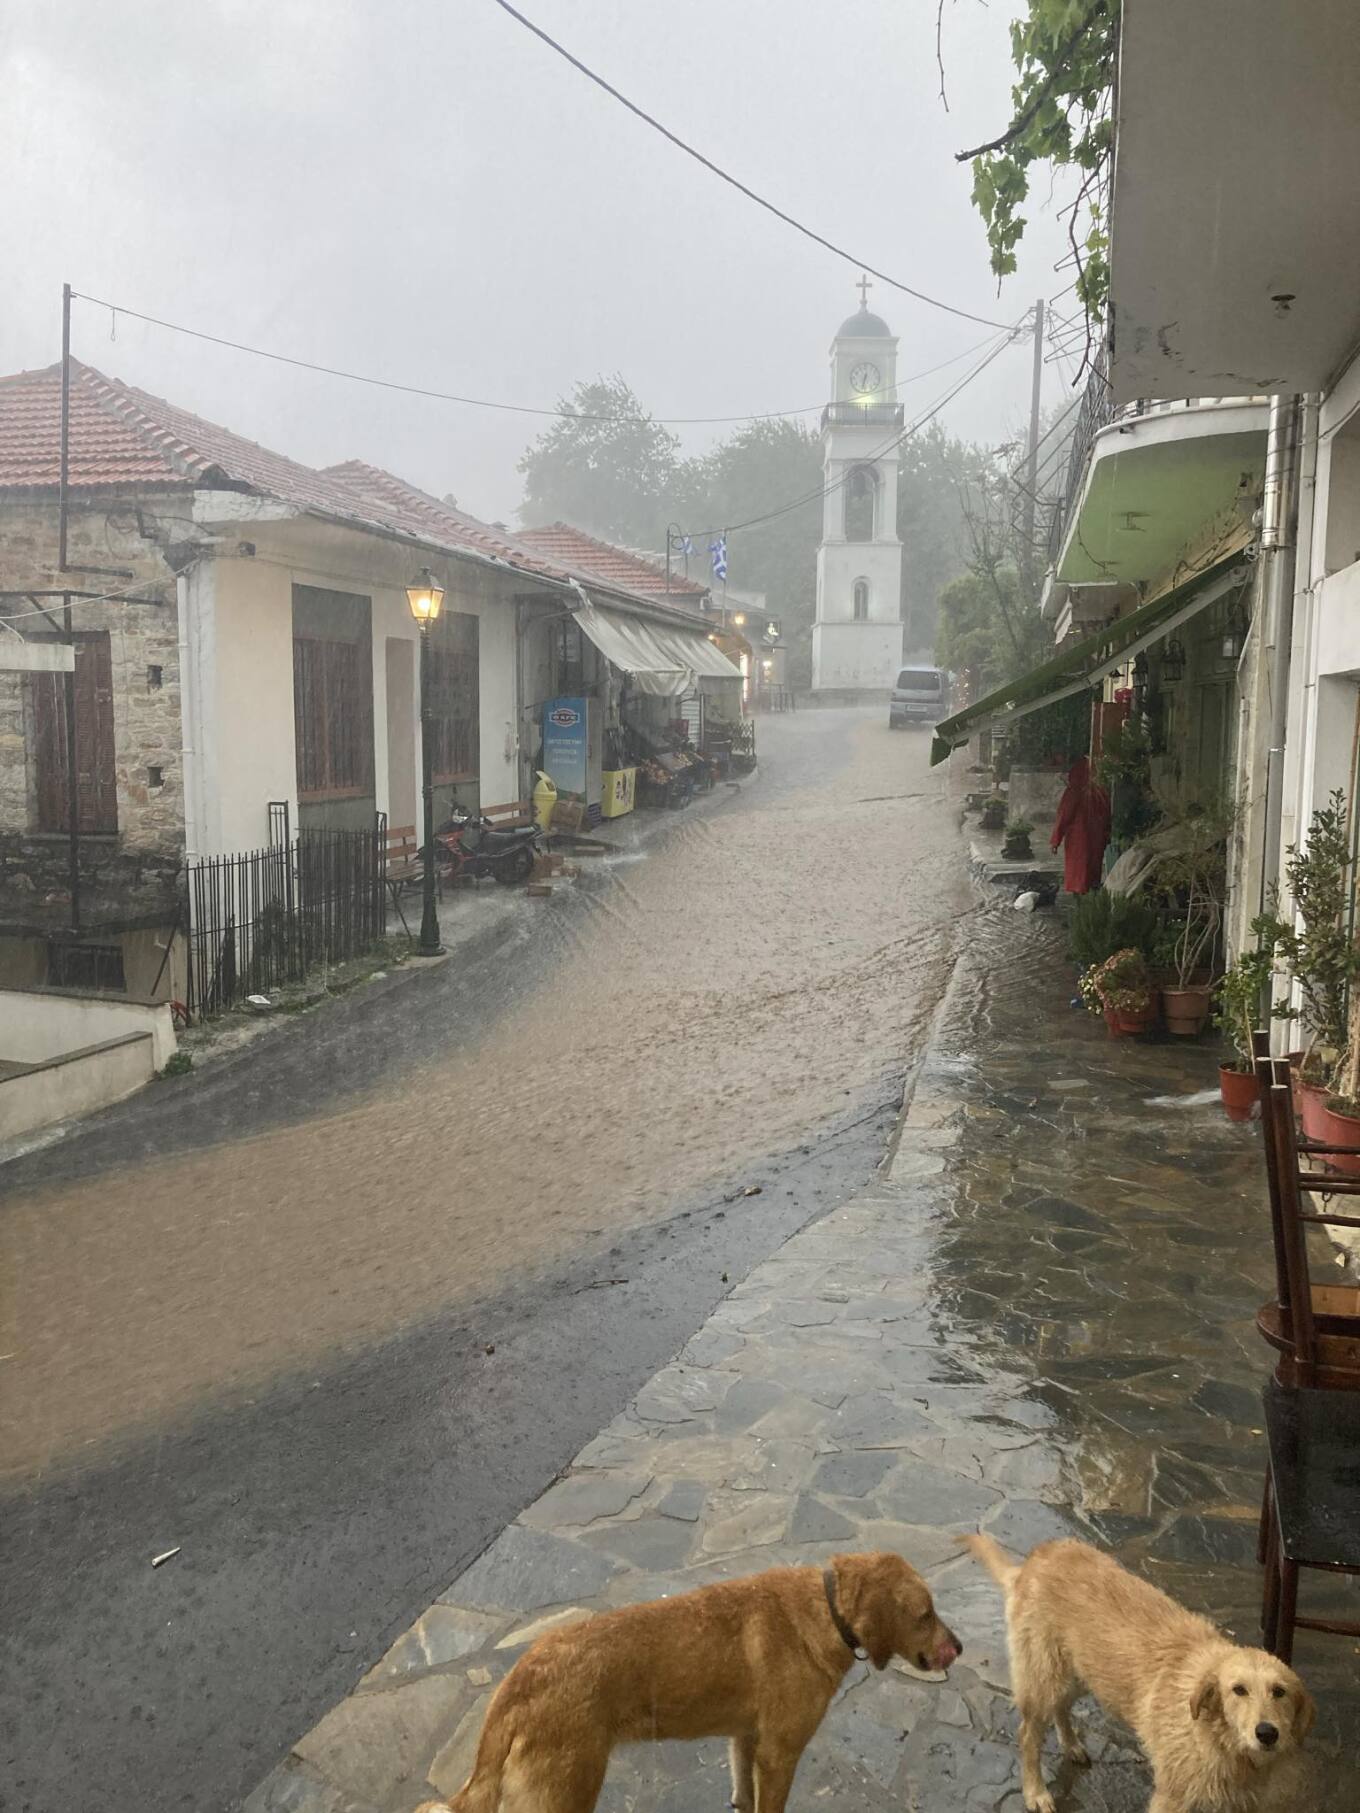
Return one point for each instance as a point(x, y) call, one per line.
point(261, 919)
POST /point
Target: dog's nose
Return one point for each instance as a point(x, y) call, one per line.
point(1266, 1733)
point(949, 1651)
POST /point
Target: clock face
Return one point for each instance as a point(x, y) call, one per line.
point(865, 378)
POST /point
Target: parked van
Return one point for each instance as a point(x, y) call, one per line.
point(919, 697)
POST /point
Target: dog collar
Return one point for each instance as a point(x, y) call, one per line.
point(847, 1635)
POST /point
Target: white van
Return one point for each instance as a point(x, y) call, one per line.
point(919, 697)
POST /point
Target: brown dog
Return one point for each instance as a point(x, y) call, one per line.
point(1221, 1724)
point(756, 1660)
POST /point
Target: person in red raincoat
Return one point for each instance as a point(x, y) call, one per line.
point(1083, 826)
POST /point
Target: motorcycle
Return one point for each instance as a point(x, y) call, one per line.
point(474, 847)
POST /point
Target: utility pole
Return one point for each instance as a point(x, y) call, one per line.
point(1032, 463)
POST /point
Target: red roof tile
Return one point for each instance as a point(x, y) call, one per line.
point(124, 438)
point(617, 566)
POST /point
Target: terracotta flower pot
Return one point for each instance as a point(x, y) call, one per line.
point(1310, 1104)
point(1339, 1130)
point(1128, 1025)
point(1185, 1010)
point(1239, 1091)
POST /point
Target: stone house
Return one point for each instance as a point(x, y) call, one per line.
point(243, 650)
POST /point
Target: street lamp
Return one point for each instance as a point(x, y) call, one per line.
point(425, 596)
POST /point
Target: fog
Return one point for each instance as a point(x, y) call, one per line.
point(426, 193)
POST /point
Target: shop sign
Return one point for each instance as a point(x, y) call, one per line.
point(564, 743)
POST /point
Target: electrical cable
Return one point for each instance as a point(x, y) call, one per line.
point(443, 396)
point(878, 453)
point(717, 170)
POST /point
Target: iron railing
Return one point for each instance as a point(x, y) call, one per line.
point(876, 415)
point(261, 919)
point(1097, 411)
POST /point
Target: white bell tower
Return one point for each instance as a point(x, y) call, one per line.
point(857, 634)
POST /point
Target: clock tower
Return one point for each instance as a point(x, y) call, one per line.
point(857, 634)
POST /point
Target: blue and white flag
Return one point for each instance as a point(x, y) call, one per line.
point(686, 545)
point(718, 549)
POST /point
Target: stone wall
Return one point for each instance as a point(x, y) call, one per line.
point(140, 861)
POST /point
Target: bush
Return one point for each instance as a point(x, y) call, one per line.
point(1103, 923)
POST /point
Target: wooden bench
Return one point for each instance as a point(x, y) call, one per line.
point(405, 866)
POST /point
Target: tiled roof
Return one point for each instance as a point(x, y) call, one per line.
point(617, 566)
point(124, 438)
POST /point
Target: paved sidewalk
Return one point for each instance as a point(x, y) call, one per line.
point(1039, 1321)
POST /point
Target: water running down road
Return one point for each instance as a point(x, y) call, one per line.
point(252, 1313)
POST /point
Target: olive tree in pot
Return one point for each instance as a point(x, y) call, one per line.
point(1319, 953)
point(1194, 875)
point(1238, 1013)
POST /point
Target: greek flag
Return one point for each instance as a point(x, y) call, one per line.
point(718, 549)
point(686, 545)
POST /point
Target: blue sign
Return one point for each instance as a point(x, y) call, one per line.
point(564, 744)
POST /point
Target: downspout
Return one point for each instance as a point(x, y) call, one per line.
point(1279, 528)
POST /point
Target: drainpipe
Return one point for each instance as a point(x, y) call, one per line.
point(1279, 526)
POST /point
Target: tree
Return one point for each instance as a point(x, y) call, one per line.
point(605, 465)
point(1065, 53)
point(987, 630)
point(930, 526)
point(767, 469)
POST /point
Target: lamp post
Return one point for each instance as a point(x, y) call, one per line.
point(426, 598)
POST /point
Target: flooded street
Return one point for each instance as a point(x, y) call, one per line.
point(714, 998)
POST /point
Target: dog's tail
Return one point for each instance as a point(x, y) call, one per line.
point(1003, 1568)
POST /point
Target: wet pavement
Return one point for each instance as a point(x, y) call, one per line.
point(1037, 1319)
point(327, 1316)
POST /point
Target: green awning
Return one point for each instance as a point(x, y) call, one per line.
point(1084, 665)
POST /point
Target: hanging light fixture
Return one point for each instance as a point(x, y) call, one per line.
point(1173, 661)
point(1234, 631)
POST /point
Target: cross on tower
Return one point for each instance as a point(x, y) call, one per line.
point(864, 286)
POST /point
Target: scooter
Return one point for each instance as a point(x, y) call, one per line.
point(474, 847)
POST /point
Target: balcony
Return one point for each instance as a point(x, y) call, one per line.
point(868, 415)
point(1150, 483)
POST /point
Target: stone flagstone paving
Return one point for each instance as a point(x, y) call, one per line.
point(1040, 1322)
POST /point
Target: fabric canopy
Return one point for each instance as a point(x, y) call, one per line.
point(1085, 664)
point(663, 659)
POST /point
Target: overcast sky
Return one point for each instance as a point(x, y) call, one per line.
point(421, 190)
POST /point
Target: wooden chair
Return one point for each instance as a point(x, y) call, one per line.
point(1313, 1327)
point(1314, 1499)
point(513, 815)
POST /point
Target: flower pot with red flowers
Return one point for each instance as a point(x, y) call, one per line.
point(1121, 989)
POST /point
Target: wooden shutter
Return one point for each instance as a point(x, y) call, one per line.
point(97, 787)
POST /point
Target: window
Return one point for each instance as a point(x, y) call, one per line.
point(568, 658)
point(454, 712)
point(332, 693)
point(861, 600)
point(861, 491)
point(98, 966)
point(96, 790)
point(919, 679)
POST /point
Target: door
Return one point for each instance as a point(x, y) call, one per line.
point(402, 746)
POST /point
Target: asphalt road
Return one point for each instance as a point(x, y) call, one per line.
point(325, 1319)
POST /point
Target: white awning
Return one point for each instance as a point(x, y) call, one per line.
point(662, 659)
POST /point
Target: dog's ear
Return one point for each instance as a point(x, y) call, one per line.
point(1305, 1711)
point(866, 1603)
point(1206, 1696)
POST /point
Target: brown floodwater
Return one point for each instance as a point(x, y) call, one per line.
point(715, 996)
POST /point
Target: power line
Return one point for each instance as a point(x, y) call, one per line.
point(878, 452)
point(733, 181)
point(444, 396)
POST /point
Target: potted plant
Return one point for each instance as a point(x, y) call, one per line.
point(1101, 923)
point(1321, 957)
point(993, 812)
point(1194, 876)
point(1238, 1013)
point(1016, 846)
point(1121, 989)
